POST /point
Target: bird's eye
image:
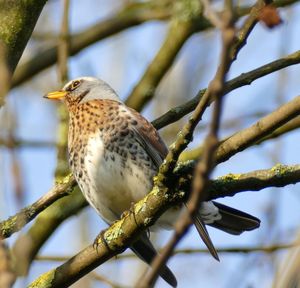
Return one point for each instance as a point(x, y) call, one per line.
point(75, 84)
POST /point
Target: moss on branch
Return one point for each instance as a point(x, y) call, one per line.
point(18, 19)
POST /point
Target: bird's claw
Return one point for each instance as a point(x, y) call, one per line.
point(100, 238)
point(129, 211)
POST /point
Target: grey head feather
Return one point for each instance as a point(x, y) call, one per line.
point(92, 88)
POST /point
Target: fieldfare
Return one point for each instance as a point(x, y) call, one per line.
point(114, 152)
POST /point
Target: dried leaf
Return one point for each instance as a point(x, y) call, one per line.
point(269, 16)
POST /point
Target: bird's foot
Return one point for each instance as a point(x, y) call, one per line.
point(100, 239)
point(125, 213)
point(128, 212)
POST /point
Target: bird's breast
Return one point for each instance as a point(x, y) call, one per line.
point(110, 176)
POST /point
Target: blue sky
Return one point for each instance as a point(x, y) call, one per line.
point(120, 60)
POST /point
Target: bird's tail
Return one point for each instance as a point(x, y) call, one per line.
point(231, 220)
point(234, 221)
point(144, 249)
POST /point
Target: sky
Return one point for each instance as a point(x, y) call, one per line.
point(120, 60)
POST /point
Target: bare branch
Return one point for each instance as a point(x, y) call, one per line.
point(130, 16)
point(203, 169)
point(151, 207)
point(144, 91)
point(62, 167)
point(5, 74)
point(18, 221)
point(7, 274)
point(266, 125)
point(46, 223)
point(228, 250)
point(244, 79)
point(16, 25)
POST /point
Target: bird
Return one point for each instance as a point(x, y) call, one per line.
point(114, 153)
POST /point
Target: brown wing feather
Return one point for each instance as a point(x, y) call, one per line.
point(149, 138)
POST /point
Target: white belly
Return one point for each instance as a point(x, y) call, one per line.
point(112, 189)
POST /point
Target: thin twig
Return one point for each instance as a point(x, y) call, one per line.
point(227, 250)
point(129, 16)
point(180, 111)
point(124, 19)
point(98, 277)
point(212, 15)
point(64, 44)
point(62, 167)
point(20, 143)
point(205, 166)
point(145, 89)
point(27, 214)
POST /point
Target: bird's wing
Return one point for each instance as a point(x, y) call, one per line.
point(149, 138)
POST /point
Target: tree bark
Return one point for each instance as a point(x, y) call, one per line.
point(18, 19)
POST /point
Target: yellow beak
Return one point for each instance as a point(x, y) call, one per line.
point(56, 95)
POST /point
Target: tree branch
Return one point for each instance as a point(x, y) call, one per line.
point(62, 167)
point(144, 91)
point(18, 221)
point(7, 273)
point(18, 19)
point(266, 125)
point(244, 79)
point(144, 213)
point(28, 245)
point(250, 249)
point(205, 166)
point(131, 15)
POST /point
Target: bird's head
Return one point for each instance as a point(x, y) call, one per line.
point(82, 90)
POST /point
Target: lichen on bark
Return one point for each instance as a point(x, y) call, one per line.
point(18, 19)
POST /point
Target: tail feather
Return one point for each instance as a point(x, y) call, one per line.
point(234, 221)
point(231, 220)
point(144, 249)
point(200, 226)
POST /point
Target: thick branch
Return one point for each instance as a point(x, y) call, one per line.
point(231, 184)
point(121, 233)
point(17, 21)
